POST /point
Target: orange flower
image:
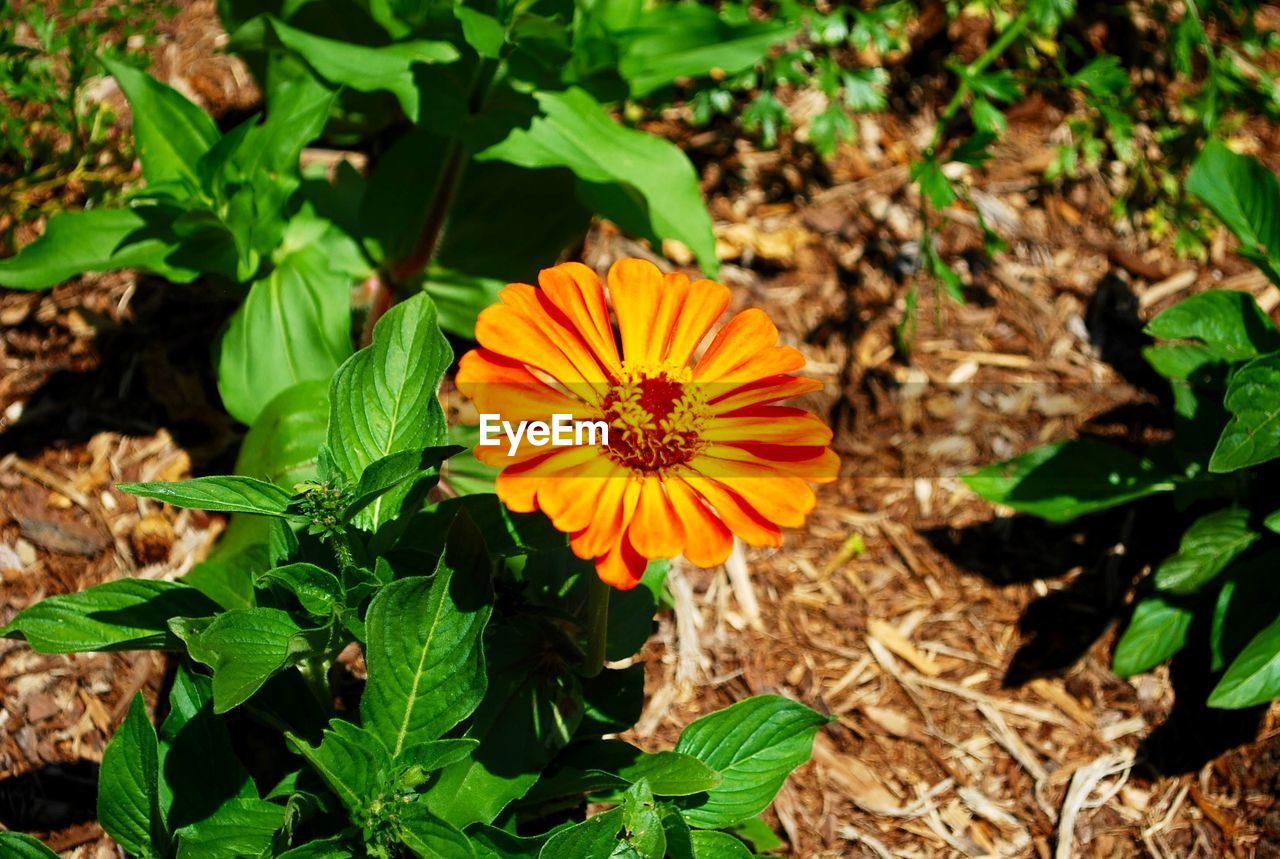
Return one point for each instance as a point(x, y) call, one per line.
point(697, 450)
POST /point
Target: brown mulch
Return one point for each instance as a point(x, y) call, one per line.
point(963, 651)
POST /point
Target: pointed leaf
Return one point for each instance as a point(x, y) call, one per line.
point(1209, 544)
point(244, 648)
point(1254, 677)
point(225, 493)
point(15, 845)
point(1253, 398)
point(1157, 631)
point(240, 827)
point(1230, 324)
point(129, 786)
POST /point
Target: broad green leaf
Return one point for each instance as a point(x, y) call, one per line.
point(350, 760)
point(1272, 522)
point(428, 836)
point(436, 754)
point(687, 40)
point(709, 844)
point(318, 590)
point(199, 766)
point(337, 847)
point(294, 326)
point(506, 534)
point(1253, 398)
point(756, 832)
point(489, 842)
point(424, 652)
point(933, 183)
point(15, 845)
point(1212, 542)
point(603, 764)
point(391, 222)
point(642, 828)
point(754, 745)
point(241, 827)
point(1245, 605)
point(1061, 481)
point(1157, 630)
point(383, 475)
point(129, 614)
point(227, 493)
point(129, 786)
point(1245, 195)
point(1229, 323)
point(98, 240)
point(1254, 677)
point(244, 648)
point(642, 182)
point(227, 576)
point(383, 399)
point(364, 68)
point(531, 709)
point(281, 445)
point(170, 132)
point(594, 838)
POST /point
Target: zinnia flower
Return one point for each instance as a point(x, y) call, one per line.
point(698, 449)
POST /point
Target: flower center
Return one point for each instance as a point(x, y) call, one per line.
point(655, 417)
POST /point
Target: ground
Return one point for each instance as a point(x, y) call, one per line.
point(964, 651)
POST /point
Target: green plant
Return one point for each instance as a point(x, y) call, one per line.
point(55, 140)
point(479, 731)
point(1221, 355)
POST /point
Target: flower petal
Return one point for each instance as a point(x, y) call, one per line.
point(503, 386)
point(655, 530)
point(622, 566)
point(770, 389)
point(745, 335)
point(636, 287)
point(769, 425)
point(617, 504)
point(708, 541)
point(734, 511)
point(704, 303)
point(577, 291)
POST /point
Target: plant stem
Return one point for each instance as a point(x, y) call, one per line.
point(597, 621)
point(989, 56)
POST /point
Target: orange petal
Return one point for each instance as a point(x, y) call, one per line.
point(708, 541)
point(539, 310)
point(509, 331)
point(773, 361)
point(617, 504)
point(636, 287)
point(518, 483)
point(504, 386)
point(578, 293)
point(572, 499)
point(741, 517)
point(655, 530)
point(768, 425)
point(769, 389)
point(781, 499)
point(622, 566)
point(808, 462)
point(746, 334)
point(703, 304)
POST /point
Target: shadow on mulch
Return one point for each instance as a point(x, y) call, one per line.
point(151, 372)
point(50, 798)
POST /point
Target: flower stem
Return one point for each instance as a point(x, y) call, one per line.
point(597, 621)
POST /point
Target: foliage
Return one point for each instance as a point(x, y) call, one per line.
point(55, 137)
point(1221, 356)
point(478, 732)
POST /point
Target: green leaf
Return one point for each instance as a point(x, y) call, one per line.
point(594, 838)
point(1064, 480)
point(383, 399)
point(15, 845)
point(756, 832)
point(241, 827)
point(129, 614)
point(709, 844)
point(350, 760)
point(200, 769)
point(436, 754)
point(754, 745)
point(531, 709)
point(227, 576)
point(383, 475)
point(1272, 522)
point(294, 326)
point(424, 652)
point(1212, 542)
point(1253, 434)
point(318, 590)
point(1245, 195)
point(1157, 631)
point(1245, 605)
point(98, 240)
point(594, 765)
point(129, 786)
point(245, 648)
point(687, 40)
point(428, 836)
point(642, 182)
point(364, 68)
point(489, 842)
point(225, 493)
point(642, 828)
point(337, 847)
point(1254, 677)
point(933, 183)
point(169, 131)
point(1228, 322)
point(281, 445)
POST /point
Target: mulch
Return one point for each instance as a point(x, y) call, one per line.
point(963, 651)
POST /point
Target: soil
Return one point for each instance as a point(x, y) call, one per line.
point(962, 650)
